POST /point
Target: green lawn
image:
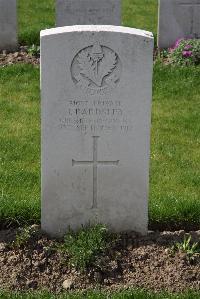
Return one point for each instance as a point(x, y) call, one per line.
point(136, 294)
point(175, 155)
point(37, 15)
point(140, 14)
point(20, 144)
point(34, 16)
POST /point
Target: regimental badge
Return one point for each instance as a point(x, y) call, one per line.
point(96, 69)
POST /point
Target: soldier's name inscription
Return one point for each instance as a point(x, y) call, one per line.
point(95, 116)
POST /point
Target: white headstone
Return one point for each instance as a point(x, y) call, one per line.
point(178, 19)
point(85, 12)
point(8, 24)
point(96, 114)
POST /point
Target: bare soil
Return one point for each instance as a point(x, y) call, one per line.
point(20, 56)
point(134, 261)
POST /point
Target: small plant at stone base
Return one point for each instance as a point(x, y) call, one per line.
point(187, 246)
point(185, 52)
point(84, 246)
point(164, 54)
point(23, 235)
point(34, 50)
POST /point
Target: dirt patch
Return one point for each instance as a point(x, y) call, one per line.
point(20, 56)
point(134, 261)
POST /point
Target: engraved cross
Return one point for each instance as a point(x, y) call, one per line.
point(194, 16)
point(95, 164)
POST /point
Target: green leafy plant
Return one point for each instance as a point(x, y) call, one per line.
point(164, 54)
point(34, 50)
point(185, 52)
point(84, 246)
point(187, 246)
point(23, 235)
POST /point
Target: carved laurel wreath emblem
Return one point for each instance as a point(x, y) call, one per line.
point(96, 68)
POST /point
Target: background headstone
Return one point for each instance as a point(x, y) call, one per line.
point(85, 12)
point(8, 24)
point(96, 114)
point(178, 19)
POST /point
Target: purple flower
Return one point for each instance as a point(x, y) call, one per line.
point(188, 47)
point(187, 54)
point(178, 42)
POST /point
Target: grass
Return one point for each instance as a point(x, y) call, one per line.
point(84, 246)
point(129, 294)
point(140, 14)
point(36, 15)
point(20, 145)
point(187, 246)
point(175, 169)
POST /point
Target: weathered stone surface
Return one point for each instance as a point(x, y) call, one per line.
point(178, 19)
point(8, 24)
point(96, 112)
point(85, 12)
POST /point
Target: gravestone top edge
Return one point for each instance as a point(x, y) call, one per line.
point(96, 28)
point(176, 3)
point(181, 1)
